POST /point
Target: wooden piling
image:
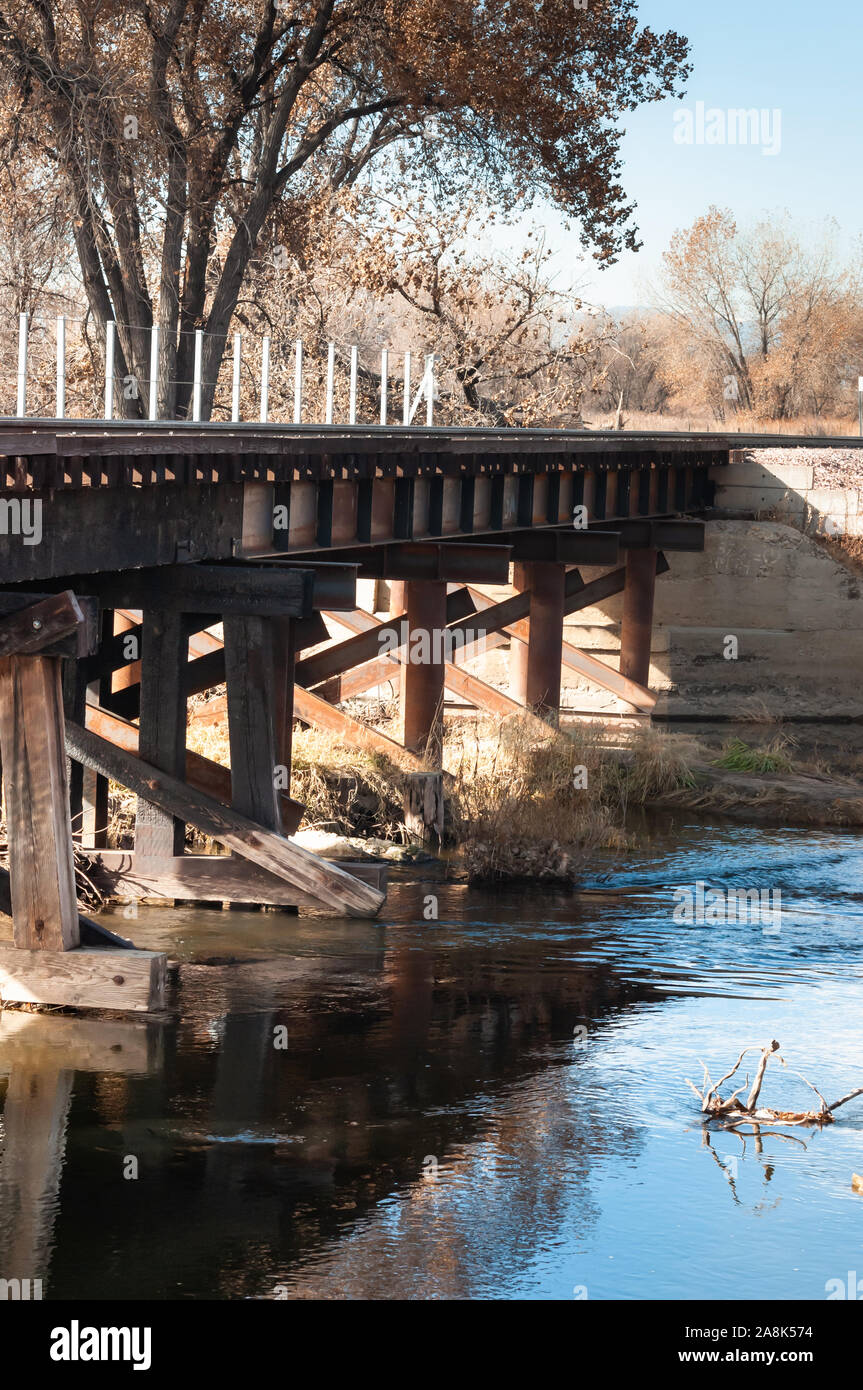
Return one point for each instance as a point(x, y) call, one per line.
point(162, 737)
point(44, 905)
point(251, 682)
point(535, 665)
point(422, 683)
point(637, 625)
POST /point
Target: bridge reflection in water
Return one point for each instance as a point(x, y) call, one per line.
point(438, 1125)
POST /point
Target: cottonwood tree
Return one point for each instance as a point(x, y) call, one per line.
point(755, 322)
point(179, 127)
point(500, 327)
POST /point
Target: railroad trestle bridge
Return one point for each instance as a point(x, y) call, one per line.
point(122, 544)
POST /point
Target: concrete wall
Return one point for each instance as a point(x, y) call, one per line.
point(786, 492)
point(797, 615)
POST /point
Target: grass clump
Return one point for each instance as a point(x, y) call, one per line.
point(346, 790)
point(738, 756)
point(531, 804)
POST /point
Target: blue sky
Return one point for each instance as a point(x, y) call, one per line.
point(804, 59)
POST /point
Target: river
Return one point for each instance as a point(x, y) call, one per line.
point(485, 1104)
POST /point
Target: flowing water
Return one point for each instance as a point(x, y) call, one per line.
point(491, 1104)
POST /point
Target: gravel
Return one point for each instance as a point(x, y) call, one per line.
point(834, 467)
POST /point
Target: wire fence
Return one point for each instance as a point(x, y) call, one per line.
point(69, 367)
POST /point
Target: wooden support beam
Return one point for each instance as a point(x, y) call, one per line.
point(201, 773)
point(241, 590)
point(207, 671)
point(91, 933)
point(335, 585)
point(535, 665)
point(284, 661)
point(499, 617)
point(637, 626)
point(424, 807)
point(208, 878)
point(56, 633)
point(36, 625)
point(635, 695)
point(162, 735)
point(639, 533)
point(453, 561)
point(323, 881)
point(88, 977)
point(251, 682)
point(44, 904)
point(562, 546)
point(365, 646)
point(462, 683)
point(423, 664)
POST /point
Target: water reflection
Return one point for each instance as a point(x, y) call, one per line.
point(491, 1105)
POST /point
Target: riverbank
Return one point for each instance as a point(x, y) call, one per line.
point(524, 803)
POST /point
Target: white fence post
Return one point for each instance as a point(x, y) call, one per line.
point(110, 332)
point(331, 375)
point(61, 367)
point(430, 389)
point(235, 389)
point(265, 378)
point(352, 409)
point(406, 408)
point(385, 361)
point(196, 374)
point(154, 372)
point(21, 403)
point(298, 381)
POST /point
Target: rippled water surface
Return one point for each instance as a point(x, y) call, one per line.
point(490, 1105)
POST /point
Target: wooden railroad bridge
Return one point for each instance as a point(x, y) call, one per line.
point(122, 543)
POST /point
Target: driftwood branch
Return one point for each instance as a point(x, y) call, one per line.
point(732, 1111)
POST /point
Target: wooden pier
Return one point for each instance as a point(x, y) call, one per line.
point(122, 544)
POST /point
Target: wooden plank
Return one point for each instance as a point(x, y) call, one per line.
point(251, 682)
point(89, 977)
point(208, 878)
point(323, 881)
point(44, 905)
point(162, 734)
point(201, 773)
point(32, 628)
point(242, 590)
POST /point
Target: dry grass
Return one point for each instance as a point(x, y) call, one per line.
point(344, 789)
point(818, 426)
point(527, 806)
point(845, 550)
